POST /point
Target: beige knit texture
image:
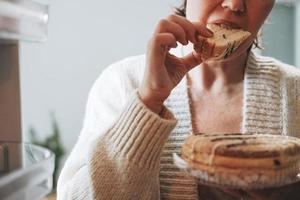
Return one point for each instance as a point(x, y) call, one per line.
point(129, 155)
point(130, 148)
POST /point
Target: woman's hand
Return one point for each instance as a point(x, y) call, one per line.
point(163, 70)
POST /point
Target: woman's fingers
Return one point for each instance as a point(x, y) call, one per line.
point(193, 29)
point(202, 30)
point(162, 41)
point(188, 27)
point(191, 60)
point(165, 26)
point(164, 70)
point(159, 45)
point(183, 29)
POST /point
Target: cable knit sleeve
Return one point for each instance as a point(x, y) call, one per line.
point(118, 152)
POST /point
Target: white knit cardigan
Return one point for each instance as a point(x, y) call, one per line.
point(125, 151)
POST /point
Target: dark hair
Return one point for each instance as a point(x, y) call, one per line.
point(181, 11)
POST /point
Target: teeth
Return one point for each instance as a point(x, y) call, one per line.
point(225, 26)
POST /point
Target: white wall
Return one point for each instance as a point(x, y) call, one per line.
point(84, 37)
point(279, 34)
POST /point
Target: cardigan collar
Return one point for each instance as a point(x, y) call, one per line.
point(262, 106)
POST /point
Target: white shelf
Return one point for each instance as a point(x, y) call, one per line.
point(23, 20)
point(26, 171)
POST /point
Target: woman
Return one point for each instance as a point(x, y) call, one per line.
point(141, 109)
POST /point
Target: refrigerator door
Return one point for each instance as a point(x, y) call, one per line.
point(10, 100)
point(20, 20)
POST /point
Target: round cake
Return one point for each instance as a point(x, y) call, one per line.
point(243, 160)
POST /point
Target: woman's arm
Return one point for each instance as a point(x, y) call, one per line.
point(118, 152)
point(127, 156)
point(123, 158)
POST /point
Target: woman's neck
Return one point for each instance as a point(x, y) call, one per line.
point(219, 78)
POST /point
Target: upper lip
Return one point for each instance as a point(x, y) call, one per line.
point(226, 22)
